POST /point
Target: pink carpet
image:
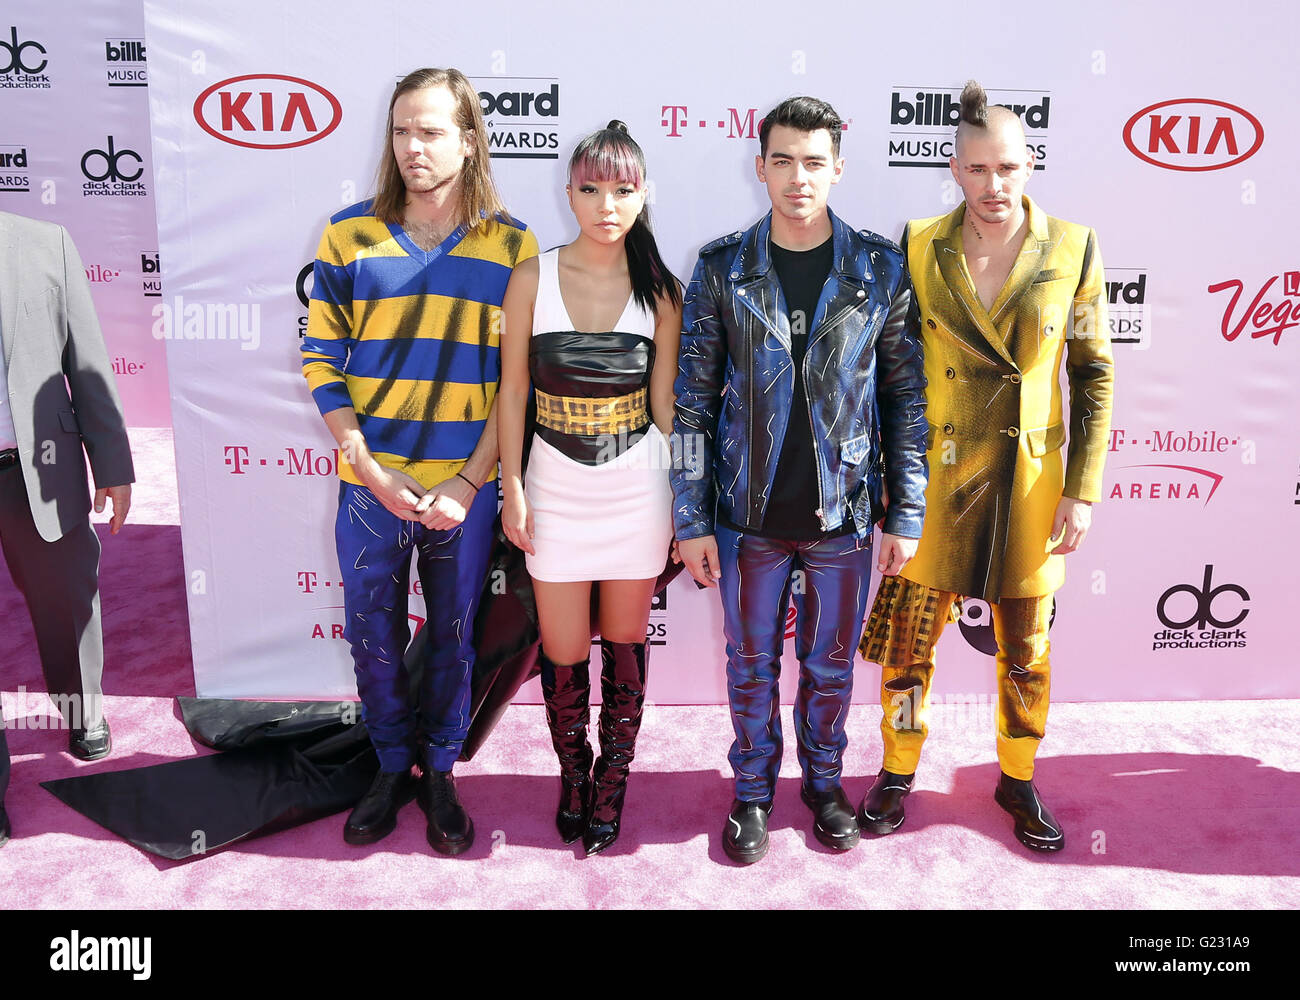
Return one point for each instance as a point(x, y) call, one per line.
point(1189, 804)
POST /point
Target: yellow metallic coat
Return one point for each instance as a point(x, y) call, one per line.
point(994, 403)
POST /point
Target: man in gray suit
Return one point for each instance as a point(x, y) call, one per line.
point(57, 397)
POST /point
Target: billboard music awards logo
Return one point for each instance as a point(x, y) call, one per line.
point(267, 111)
point(322, 584)
point(656, 630)
point(976, 625)
point(1202, 616)
point(522, 115)
point(125, 61)
point(1193, 134)
point(22, 61)
point(923, 122)
point(112, 170)
point(13, 168)
point(1126, 298)
point(1271, 311)
point(1183, 477)
point(150, 274)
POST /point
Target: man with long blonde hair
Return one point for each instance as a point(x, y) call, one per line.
point(402, 356)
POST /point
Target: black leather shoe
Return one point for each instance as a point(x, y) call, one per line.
point(1036, 827)
point(745, 838)
point(5, 830)
point(375, 816)
point(94, 743)
point(450, 831)
point(833, 821)
point(881, 811)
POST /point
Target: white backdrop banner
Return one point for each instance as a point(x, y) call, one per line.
point(268, 117)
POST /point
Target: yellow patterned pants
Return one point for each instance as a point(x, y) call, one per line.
point(905, 624)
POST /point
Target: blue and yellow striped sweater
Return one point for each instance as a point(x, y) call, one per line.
point(409, 339)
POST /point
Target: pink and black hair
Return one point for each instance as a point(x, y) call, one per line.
point(610, 154)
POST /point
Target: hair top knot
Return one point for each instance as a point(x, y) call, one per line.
point(974, 104)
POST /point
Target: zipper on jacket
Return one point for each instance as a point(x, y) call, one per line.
point(749, 479)
point(820, 512)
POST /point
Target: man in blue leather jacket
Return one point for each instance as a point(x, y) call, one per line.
point(800, 388)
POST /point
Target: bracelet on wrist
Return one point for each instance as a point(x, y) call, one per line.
point(468, 480)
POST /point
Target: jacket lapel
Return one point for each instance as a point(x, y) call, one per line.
point(757, 287)
point(951, 260)
point(844, 290)
point(8, 285)
point(1029, 264)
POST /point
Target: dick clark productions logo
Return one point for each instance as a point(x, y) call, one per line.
point(1202, 617)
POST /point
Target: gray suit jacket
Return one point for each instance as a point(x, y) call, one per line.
point(51, 334)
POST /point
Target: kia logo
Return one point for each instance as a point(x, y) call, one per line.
point(1204, 597)
point(1193, 134)
point(267, 111)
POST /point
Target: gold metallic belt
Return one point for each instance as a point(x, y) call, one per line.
point(585, 415)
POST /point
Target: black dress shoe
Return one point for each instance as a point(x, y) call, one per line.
point(833, 821)
point(745, 838)
point(4, 827)
point(450, 829)
point(375, 816)
point(881, 811)
point(1036, 827)
point(94, 743)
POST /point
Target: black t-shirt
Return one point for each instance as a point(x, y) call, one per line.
point(793, 499)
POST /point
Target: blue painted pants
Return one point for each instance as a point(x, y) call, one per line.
point(374, 548)
point(828, 580)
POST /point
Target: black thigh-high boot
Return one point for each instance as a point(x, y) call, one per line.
point(567, 690)
point(622, 687)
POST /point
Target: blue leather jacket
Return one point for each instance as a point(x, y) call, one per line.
point(863, 377)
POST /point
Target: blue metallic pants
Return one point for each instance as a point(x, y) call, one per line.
point(374, 550)
point(828, 580)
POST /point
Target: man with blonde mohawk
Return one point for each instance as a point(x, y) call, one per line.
point(1005, 293)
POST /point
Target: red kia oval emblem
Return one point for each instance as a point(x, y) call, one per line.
point(1193, 133)
point(267, 111)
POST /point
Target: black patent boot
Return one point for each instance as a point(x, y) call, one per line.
point(567, 691)
point(622, 687)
